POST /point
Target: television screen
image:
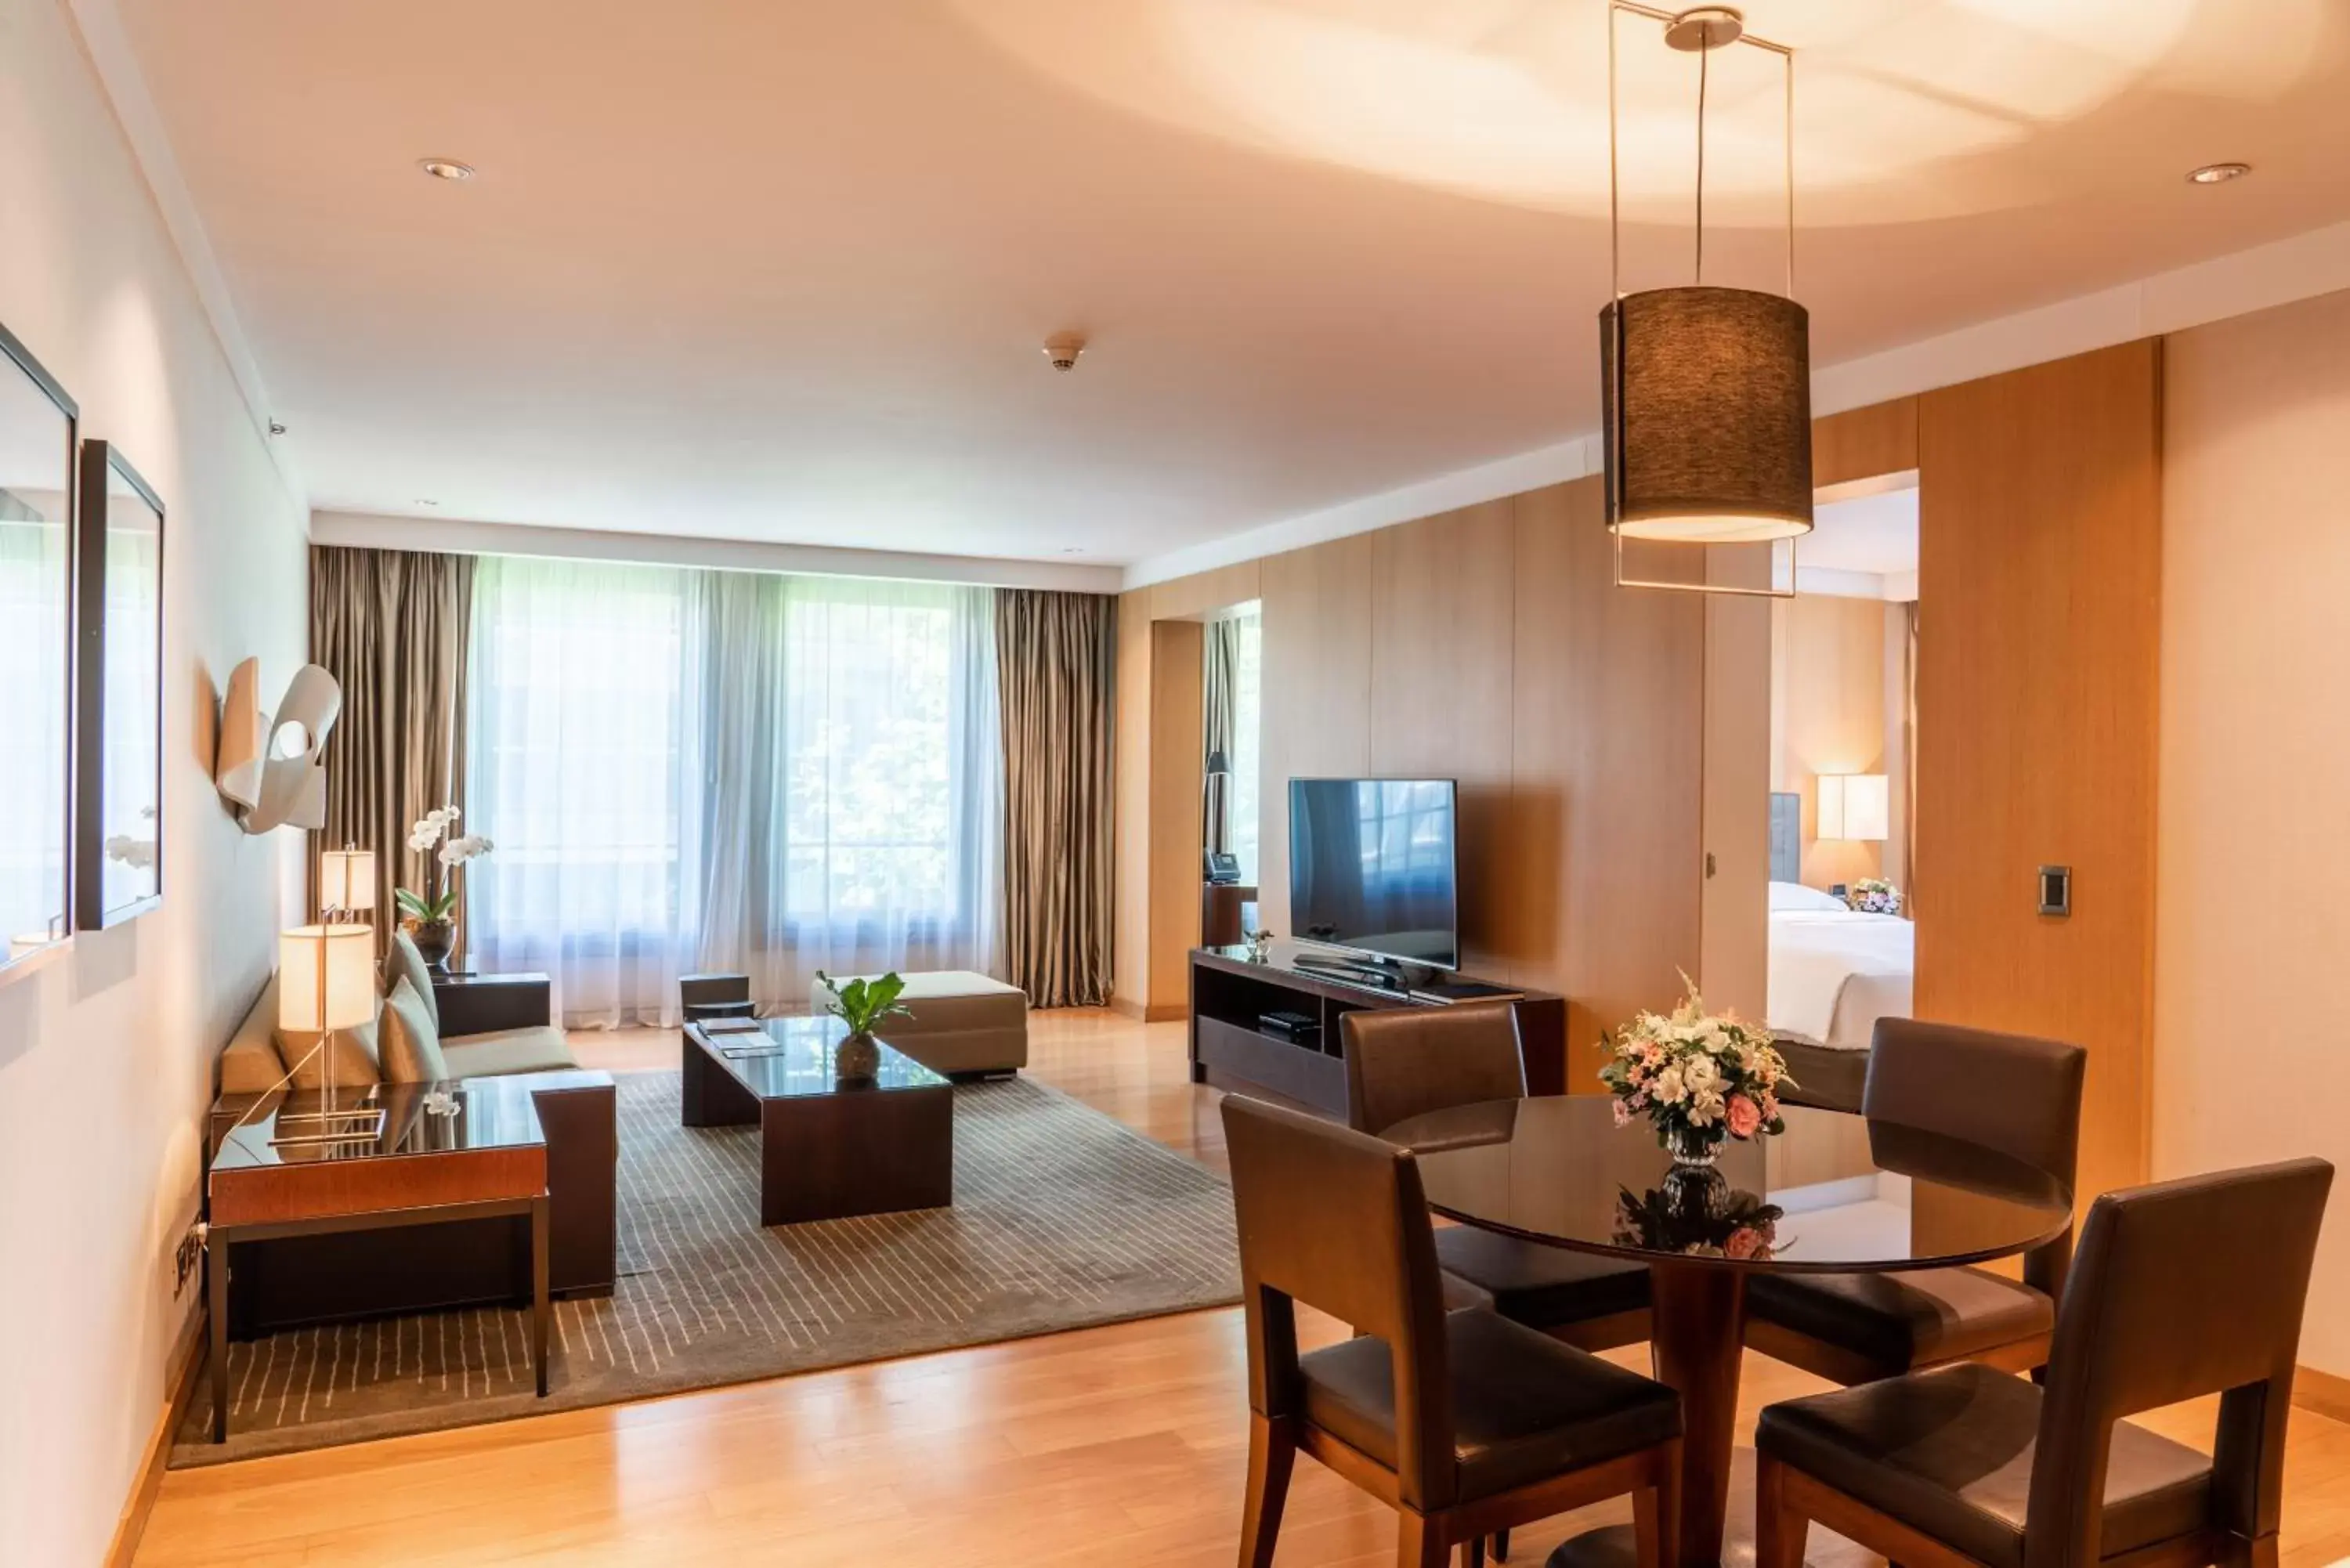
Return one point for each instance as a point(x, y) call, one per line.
point(1371, 867)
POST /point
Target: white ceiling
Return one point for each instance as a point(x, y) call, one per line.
point(780, 272)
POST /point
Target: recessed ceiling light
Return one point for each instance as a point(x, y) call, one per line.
point(445, 168)
point(2218, 173)
point(421, 501)
point(1073, 549)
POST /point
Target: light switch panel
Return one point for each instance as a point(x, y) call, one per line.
point(2056, 890)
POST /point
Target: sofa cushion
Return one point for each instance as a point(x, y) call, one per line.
point(351, 1055)
point(409, 1038)
point(956, 1021)
point(250, 1064)
point(502, 1051)
point(403, 960)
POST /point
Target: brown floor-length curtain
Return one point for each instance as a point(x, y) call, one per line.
point(1220, 695)
point(1056, 657)
point(393, 628)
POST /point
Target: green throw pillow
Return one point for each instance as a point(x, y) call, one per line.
point(410, 1037)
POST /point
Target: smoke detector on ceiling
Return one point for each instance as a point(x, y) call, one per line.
point(1063, 349)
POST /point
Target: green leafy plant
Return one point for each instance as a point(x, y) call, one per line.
point(861, 1004)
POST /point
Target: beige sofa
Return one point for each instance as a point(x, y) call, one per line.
point(957, 1021)
point(258, 1059)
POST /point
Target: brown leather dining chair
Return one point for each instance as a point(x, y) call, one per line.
point(1463, 1422)
point(1406, 1062)
point(2014, 1095)
point(2181, 1288)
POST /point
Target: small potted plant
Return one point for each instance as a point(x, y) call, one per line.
point(861, 1004)
point(429, 916)
point(1700, 1078)
point(1874, 896)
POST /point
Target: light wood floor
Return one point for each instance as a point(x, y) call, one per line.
point(1116, 1446)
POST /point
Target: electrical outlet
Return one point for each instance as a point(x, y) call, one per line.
point(186, 1259)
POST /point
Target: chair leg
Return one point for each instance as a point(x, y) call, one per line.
point(1657, 1513)
point(1500, 1552)
point(1472, 1552)
point(1419, 1542)
point(1273, 1454)
point(1779, 1528)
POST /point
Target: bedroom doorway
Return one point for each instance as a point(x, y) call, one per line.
point(1843, 732)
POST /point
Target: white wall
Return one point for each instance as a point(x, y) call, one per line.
point(106, 1049)
point(2254, 930)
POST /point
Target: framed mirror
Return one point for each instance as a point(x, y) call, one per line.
point(118, 871)
point(37, 479)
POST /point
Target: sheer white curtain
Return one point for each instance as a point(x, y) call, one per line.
point(826, 793)
point(581, 769)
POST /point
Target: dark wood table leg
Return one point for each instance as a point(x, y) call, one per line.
point(216, 1293)
point(1700, 1329)
point(710, 1096)
point(539, 1311)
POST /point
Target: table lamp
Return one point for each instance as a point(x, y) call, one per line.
point(347, 884)
point(1854, 805)
point(325, 982)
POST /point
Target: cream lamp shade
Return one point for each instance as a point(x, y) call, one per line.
point(1854, 805)
point(347, 880)
point(325, 978)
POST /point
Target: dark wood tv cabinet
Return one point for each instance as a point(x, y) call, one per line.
point(1231, 1050)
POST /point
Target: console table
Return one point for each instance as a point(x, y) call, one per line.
point(1229, 1049)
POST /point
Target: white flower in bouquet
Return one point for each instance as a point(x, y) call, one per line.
point(1705, 1076)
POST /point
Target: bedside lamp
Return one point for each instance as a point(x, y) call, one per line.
point(347, 884)
point(1854, 805)
point(325, 982)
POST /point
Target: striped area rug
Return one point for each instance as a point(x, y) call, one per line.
point(1063, 1219)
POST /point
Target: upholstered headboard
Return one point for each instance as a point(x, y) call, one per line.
point(1787, 837)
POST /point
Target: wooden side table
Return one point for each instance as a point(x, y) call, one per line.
point(273, 1175)
point(473, 1003)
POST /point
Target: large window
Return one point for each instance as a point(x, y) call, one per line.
point(731, 770)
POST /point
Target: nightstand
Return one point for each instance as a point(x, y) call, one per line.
point(480, 1003)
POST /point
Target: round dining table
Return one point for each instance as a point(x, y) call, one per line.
point(1560, 1172)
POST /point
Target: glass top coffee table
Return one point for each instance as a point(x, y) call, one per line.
point(829, 1147)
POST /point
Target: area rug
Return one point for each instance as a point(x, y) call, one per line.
point(1063, 1219)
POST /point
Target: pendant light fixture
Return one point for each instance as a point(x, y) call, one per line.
point(1705, 391)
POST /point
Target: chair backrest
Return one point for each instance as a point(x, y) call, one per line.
point(1404, 1062)
point(714, 996)
point(1337, 1219)
point(2180, 1289)
point(2013, 1093)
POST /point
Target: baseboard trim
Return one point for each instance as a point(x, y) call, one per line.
point(187, 1360)
point(1126, 1007)
point(1166, 1012)
point(2321, 1391)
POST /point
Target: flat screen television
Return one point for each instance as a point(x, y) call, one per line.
point(1372, 867)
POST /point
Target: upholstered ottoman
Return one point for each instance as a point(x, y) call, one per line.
point(957, 1021)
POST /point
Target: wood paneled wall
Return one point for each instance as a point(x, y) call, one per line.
point(1489, 645)
point(2040, 567)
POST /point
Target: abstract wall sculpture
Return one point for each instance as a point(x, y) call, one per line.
point(272, 770)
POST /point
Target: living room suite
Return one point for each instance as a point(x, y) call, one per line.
point(1213, 781)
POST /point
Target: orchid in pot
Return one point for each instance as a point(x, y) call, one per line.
point(430, 917)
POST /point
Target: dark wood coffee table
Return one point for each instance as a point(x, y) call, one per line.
point(828, 1149)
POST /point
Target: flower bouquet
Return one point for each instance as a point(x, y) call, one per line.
point(1698, 1077)
point(431, 920)
point(1874, 896)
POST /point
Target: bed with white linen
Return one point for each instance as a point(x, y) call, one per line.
point(1834, 971)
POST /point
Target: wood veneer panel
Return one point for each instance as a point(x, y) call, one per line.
point(1178, 773)
point(1607, 776)
point(1317, 705)
point(1203, 594)
point(1734, 965)
point(1130, 933)
point(1441, 604)
point(1861, 444)
point(2039, 548)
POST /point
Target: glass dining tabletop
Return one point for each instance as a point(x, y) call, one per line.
point(1559, 1169)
